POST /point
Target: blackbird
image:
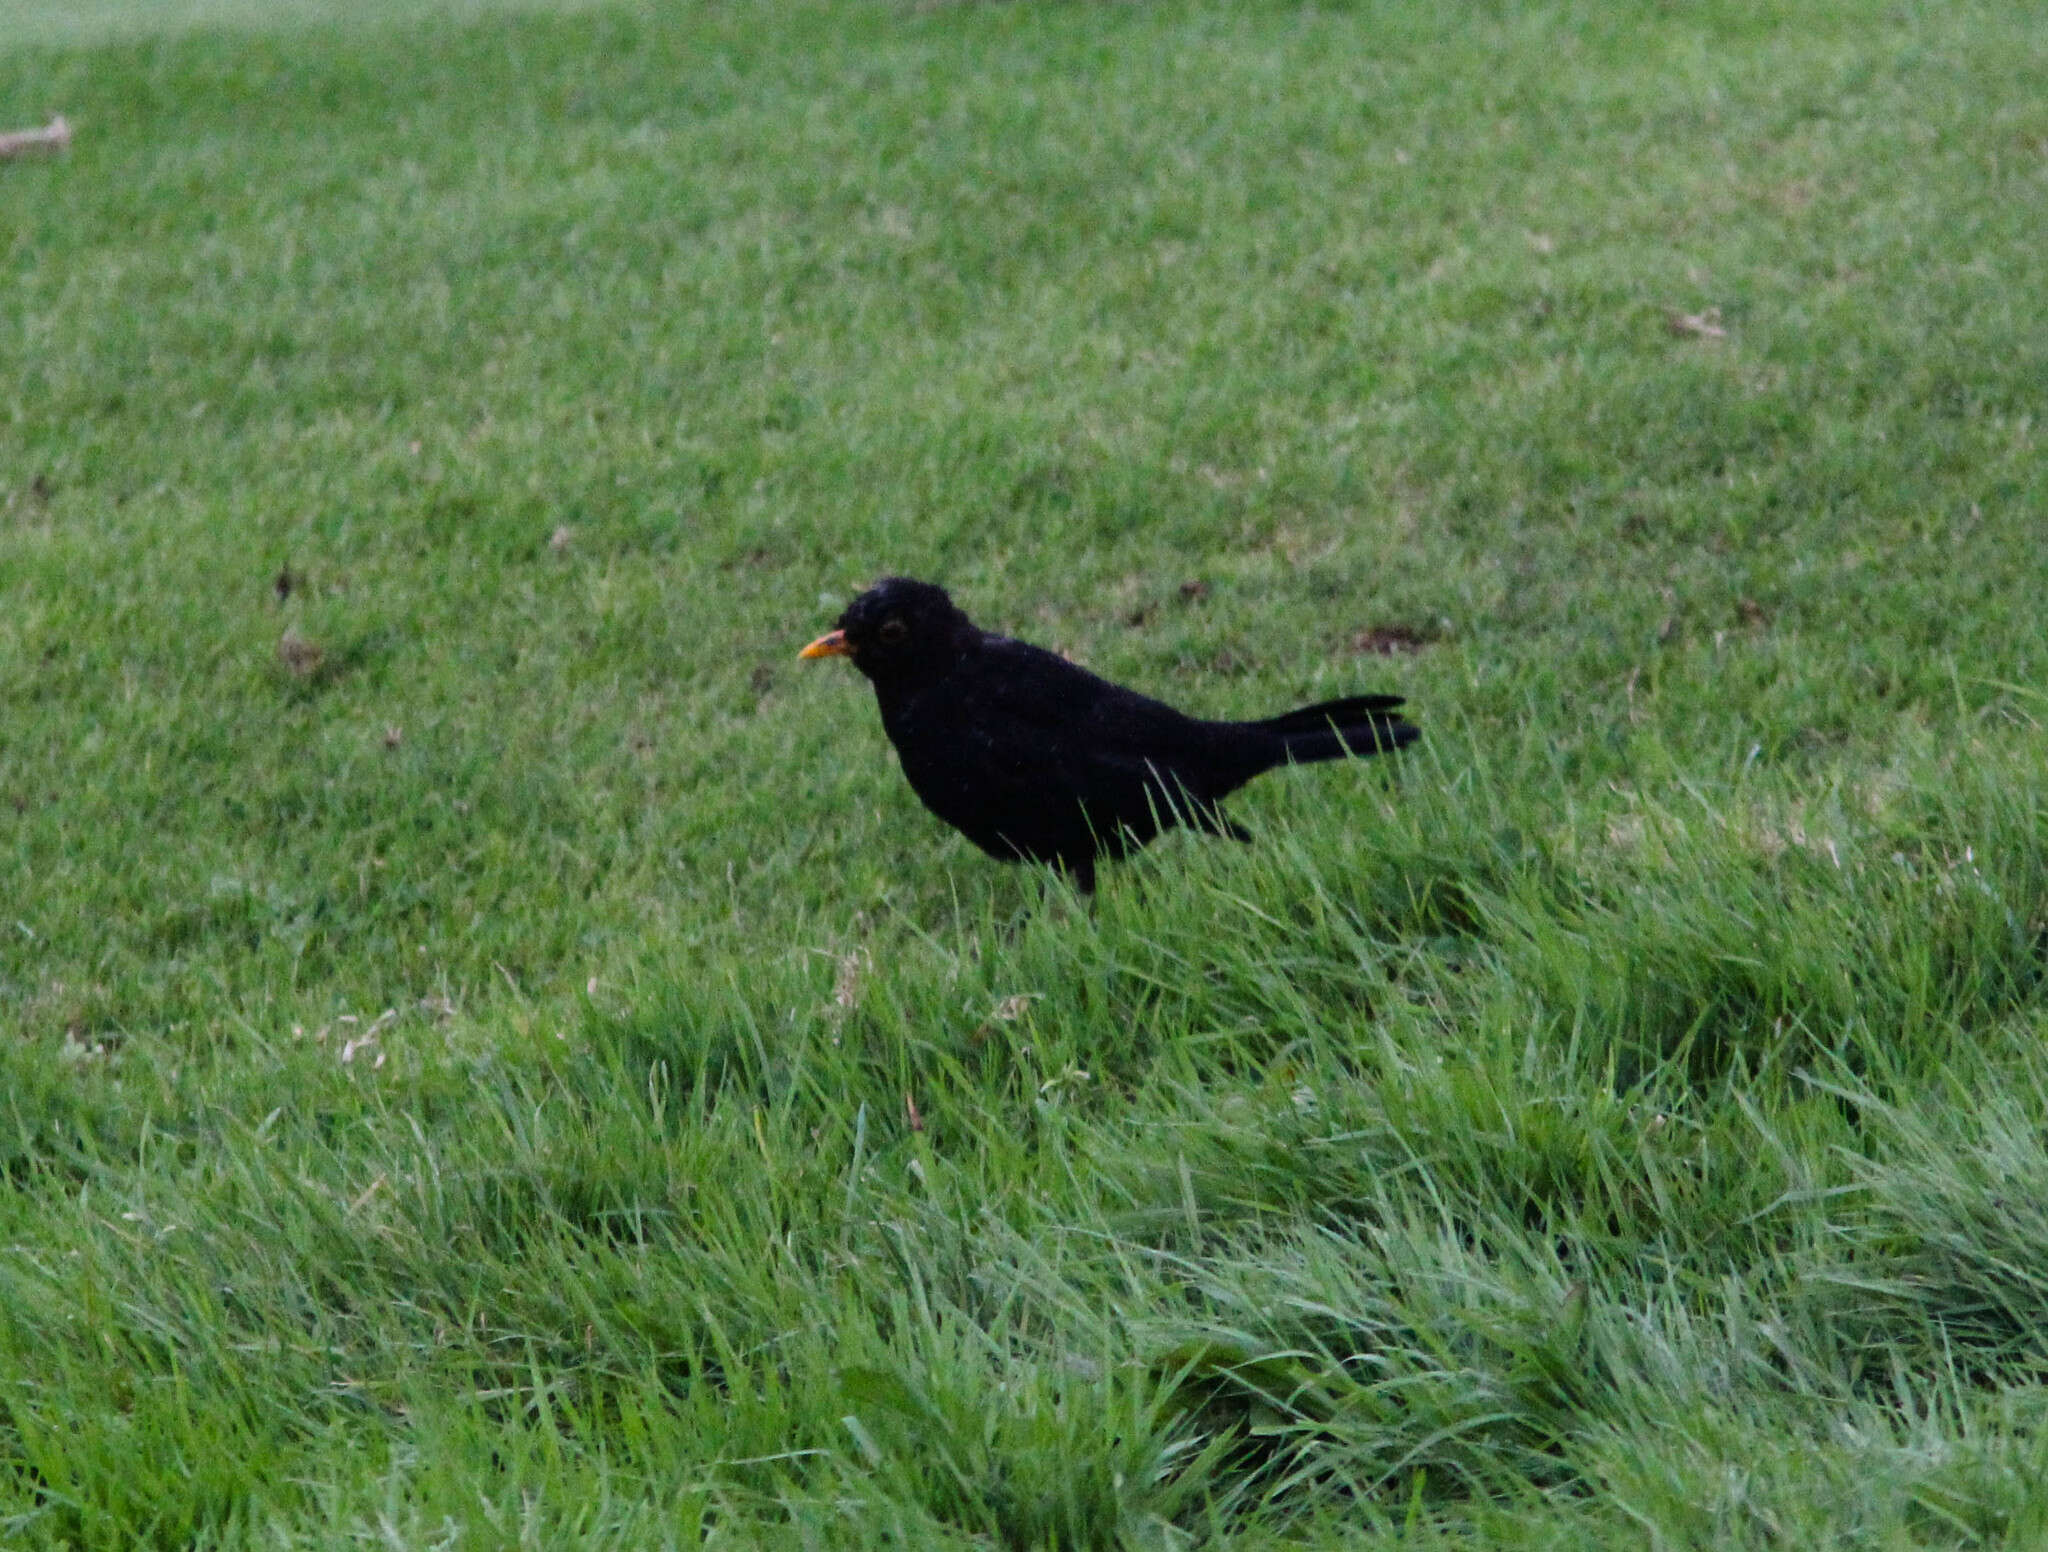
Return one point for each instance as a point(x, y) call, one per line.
point(1033, 758)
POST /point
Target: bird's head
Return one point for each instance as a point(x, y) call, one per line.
point(899, 631)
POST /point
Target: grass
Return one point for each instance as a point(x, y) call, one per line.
point(516, 1067)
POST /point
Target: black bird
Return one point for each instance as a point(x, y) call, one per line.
point(1033, 758)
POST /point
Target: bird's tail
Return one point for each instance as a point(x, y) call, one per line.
point(1332, 730)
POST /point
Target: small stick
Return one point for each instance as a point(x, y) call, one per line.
point(54, 137)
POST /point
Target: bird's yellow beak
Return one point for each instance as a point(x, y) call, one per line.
point(831, 644)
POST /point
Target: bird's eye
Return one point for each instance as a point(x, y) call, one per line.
point(892, 632)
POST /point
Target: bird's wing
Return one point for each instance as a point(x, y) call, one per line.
point(1096, 734)
point(1024, 703)
point(1045, 692)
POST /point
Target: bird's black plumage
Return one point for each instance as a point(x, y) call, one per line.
point(1033, 758)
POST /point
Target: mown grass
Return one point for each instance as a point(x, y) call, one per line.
point(516, 1066)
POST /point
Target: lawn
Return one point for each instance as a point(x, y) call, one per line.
point(494, 1054)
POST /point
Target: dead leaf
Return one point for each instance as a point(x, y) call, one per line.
point(560, 540)
point(52, 139)
point(846, 981)
point(1389, 640)
point(1701, 325)
point(1006, 1011)
point(367, 1040)
point(1752, 613)
point(1194, 590)
point(302, 657)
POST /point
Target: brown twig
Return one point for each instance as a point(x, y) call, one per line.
point(54, 138)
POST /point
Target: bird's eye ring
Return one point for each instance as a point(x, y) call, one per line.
point(892, 631)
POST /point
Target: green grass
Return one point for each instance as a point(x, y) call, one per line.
point(538, 1078)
